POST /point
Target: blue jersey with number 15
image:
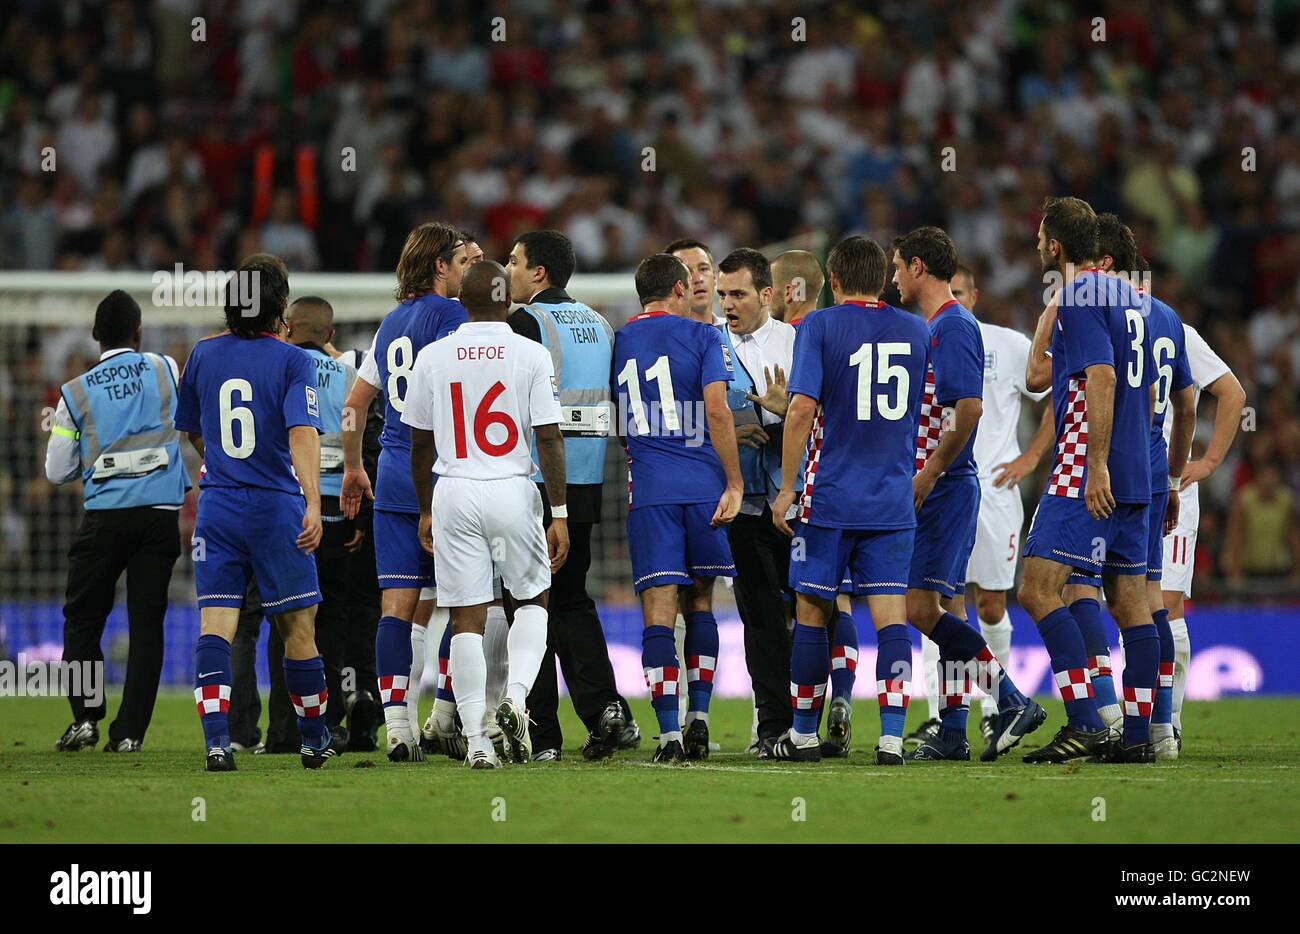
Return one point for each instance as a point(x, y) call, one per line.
point(864, 363)
point(243, 394)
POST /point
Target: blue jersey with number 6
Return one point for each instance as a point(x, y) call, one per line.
point(864, 363)
point(243, 394)
point(662, 363)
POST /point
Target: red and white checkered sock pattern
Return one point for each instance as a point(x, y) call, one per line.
point(929, 427)
point(806, 696)
point(844, 656)
point(813, 460)
point(1074, 684)
point(1099, 666)
point(212, 698)
point(990, 671)
point(392, 689)
point(893, 693)
point(956, 692)
point(444, 677)
point(1072, 445)
point(1138, 701)
point(661, 680)
point(1165, 678)
point(700, 667)
point(309, 705)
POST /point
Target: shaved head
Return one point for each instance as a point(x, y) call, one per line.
point(801, 271)
point(310, 320)
point(485, 291)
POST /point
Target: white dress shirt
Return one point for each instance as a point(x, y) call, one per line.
point(63, 456)
point(769, 345)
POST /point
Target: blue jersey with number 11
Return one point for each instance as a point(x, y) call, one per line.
point(865, 364)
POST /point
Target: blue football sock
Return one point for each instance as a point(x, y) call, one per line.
point(1141, 666)
point(659, 660)
point(1087, 614)
point(305, 680)
point(393, 660)
point(1163, 710)
point(444, 690)
point(212, 688)
point(809, 667)
point(701, 660)
point(893, 677)
point(1064, 644)
point(960, 642)
point(844, 656)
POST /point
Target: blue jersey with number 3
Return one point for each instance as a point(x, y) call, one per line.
point(662, 363)
point(865, 365)
point(243, 394)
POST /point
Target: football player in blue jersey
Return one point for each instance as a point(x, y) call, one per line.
point(248, 402)
point(429, 272)
point(669, 381)
point(1092, 517)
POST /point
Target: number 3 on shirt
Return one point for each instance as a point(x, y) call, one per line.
point(484, 417)
point(1136, 327)
point(885, 372)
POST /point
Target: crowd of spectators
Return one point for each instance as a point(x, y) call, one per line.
point(137, 135)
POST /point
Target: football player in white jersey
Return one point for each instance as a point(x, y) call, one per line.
point(991, 571)
point(1211, 374)
point(475, 401)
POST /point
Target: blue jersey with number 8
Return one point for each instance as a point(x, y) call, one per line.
point(864, 363)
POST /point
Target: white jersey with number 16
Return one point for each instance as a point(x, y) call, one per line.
point(482, 390)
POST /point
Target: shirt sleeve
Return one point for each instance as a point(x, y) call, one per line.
point(1085, 337)
point(187, 397)
point(806, 366)
point(1206, 366)
point(63, 456)
point(544, 393)
point(715, 360)
point(369, 369)
point(418, 409)
point(300, 405)
point(957, 353)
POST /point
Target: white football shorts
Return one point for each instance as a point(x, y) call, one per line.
point(992, 564)
point(1180, 544)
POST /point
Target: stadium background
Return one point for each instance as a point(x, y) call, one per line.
point(172, 150)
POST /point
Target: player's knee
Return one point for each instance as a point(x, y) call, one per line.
point(1031, 597)
point(922, 607)
point(991, 605)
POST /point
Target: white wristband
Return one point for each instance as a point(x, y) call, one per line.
point(560, 512)
point(1175, 483)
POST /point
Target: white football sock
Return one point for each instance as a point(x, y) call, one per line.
point(417, 674)
point(998, 637)
point(683, 688)
point(495, 652)
point(930, 668)
point(526, 647)
point(471, 680)
point(1182, 661)
point(802, 739)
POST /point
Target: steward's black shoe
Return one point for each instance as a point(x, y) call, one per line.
point(123, 745)
point(78, 735)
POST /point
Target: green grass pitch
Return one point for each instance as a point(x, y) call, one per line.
point(1238, 780)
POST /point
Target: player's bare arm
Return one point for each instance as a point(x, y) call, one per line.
point(1013, 471)
point(965, 416)
point(722, 430)
point(356, 483)
point(423, 454)
point(1038, 374)
point(776, 400)
point(550, 455)
point(1230, 399)
point(304, 451)
point(1099, 396)
point(1180, 444)
point(798, 425)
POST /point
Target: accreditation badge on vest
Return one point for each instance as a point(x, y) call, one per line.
point(585, 421)
point(331, 458)
point(130, 463)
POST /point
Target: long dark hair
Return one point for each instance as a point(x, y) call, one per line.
point(257, 295)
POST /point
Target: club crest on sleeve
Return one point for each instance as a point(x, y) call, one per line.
point(555, 388)
point(312, 407)
point(726, 358)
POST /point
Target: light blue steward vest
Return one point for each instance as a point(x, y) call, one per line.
point(124, 408)
point(333, 383)
point(581, 344)
point(755, 463)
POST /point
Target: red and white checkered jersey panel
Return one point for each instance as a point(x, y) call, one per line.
point(929, 427)
point(810, 468)
point(1072, 445)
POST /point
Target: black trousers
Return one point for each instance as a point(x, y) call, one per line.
point(575, 636)
point(331, 625)
point(361, 609)
point(762, 556)
point(145, 543)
